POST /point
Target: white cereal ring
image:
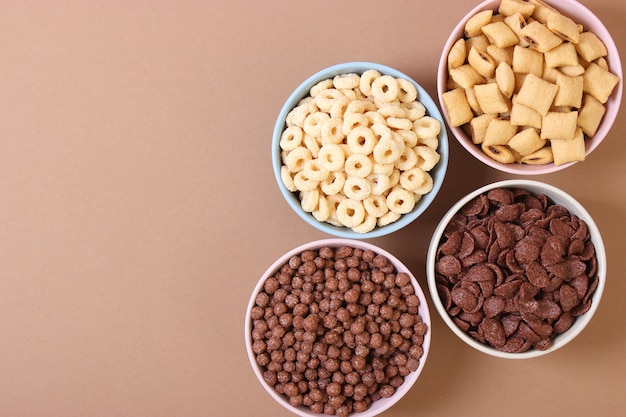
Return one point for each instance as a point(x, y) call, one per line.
point(311, 143)
point(320, 86)
point(381, 131)
point(332, 131)
point(407, 160)
point(385, 169)
point(298, 114)
point(350, 93)
point(352, 120)
point(304, 183)
point(331, 157)
point(309, 200)
point(291, 138)
point(313, 123)
point(414, 110)
point(400, 200)
point(375, 117)
point(339, 106)
point(312, 169)
point(361, 140)
point(296, 158)
point(432, 143)
point(376, 205)
point(333, 184)
point(413, 179)
point(426, 187)
point(388, 218)
point(426, 127)
point(347, 81)
point(350, 212)
point(367, 78)
point(387, 151)
point(409, 137)
point(385, 89)
point(325, 98)
point(392, 110)
point(322, 211)
point(427, 157)
point(287, 178)
point(357, 189)
point(408, 92)
point(394, 178)
point(399, 123)
point(369, 223)
point(332, 201)
point(379, 183)
point(356, 106)
point(358, 165)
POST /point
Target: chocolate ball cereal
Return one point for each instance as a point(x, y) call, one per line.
point(339, 343)
point(514, 270)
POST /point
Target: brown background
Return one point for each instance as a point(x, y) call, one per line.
point(138, 207)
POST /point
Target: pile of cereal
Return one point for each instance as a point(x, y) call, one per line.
point(335, 329)
point(513, 270)
point(528, 84)
point(359, 149)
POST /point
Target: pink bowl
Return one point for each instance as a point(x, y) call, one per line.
point(580, 14)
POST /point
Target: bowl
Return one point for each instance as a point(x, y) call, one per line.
point(579, 14)
point(293, 198)
point(526, 301)
point(418, 302)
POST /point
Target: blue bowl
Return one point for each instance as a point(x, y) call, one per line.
point(437, 173)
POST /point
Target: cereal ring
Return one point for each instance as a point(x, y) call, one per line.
point(357, 189)
point(352, 120)
point(427, 157)
point(324, 99)
point(332, 131)
point(339, 106)
point(347, 81)
point(296, 158)
point(412, 179)
point(432, 143)
point(332, 202)
point(350, 93)
point(407, 92)
point(299, 113)
point(385, 89)
point(369, 223)
point(375, 117)
point(394, 178)
point(311, 143)
point(400, 200)
point(399, 123)
point(376, 205)
point(379, 183)
point(320, 86)
point(291, 138)
point(381, 131)
point(387, 151)
point(313, 170)
point(287, 179)
point(426, 187)
point(322, 211)
point(361, 140)
point(407, 160)
point(358, 165)
point(313, 123)
point(367, 78)
point(392, 110)
point(304, 183)
point(385, 169)
point(333, 184)
point(426, 127)
point(388, 218)
point(414, 110)
point(350, 213)
point(331, 157)
point(309, 200)
point(409, 137)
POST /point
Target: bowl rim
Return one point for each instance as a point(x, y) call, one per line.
point(438, 173)
point(614, 103)
point(423, 310)
point(573, 206)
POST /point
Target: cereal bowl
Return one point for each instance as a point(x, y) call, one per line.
point(515, 274)
point(507, 147)
point(326, 347)
point(351, 157)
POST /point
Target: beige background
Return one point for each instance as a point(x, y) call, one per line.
point(138, 207)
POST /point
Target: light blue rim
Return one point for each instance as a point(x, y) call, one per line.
point(438, 172)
